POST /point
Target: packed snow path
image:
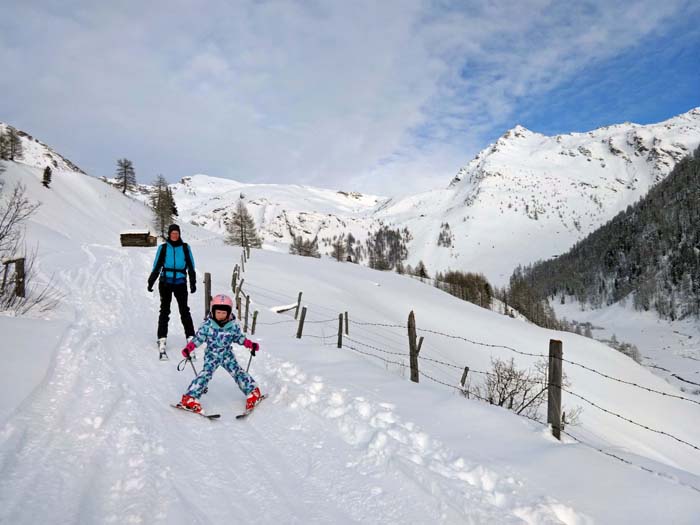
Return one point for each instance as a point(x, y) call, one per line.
point(97, 442)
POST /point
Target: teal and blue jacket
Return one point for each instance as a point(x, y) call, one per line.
point(219, 338)
point(173, 262)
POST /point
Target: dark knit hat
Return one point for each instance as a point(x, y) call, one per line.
point(173, 228)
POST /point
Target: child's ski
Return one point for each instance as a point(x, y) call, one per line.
point(203, 414)
point(248, 411)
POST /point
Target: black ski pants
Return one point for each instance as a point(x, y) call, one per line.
point(167, 291)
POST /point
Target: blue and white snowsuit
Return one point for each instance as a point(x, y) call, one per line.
point(219, 340)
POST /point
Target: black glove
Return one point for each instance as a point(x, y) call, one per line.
point(193, 281)
point(152, 280)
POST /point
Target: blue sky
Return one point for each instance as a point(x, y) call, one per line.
point(380, 97)
point(650, 82)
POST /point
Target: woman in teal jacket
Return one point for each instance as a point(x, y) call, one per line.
point(173, 264)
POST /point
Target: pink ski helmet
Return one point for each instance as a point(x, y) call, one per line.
point(222, 302)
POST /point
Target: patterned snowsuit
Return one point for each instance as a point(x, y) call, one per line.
point(219, 340)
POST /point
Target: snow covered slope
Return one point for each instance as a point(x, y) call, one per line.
point(526, 197)
point(86, 434)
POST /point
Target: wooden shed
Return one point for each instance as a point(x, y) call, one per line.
point(138, 238)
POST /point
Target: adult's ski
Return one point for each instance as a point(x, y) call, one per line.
point(203, 414)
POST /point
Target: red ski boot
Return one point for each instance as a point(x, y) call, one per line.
point(190, 403)
point(253, 399)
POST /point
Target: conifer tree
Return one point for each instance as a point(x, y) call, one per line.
point(420, 270)
point(339, 250)
point(14, 145)
point(47, 177)
point(126, 176)
point(241, 229)
point(4, 147)
point(172, 201)
point(304, 248)
point(162, 204)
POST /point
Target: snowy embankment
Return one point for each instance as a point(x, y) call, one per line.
point(86, 434)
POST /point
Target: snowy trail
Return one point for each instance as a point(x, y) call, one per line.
point(97, 443)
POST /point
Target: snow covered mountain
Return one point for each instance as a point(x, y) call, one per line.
point(524, 198)
point(87, 436)
point(39, 155)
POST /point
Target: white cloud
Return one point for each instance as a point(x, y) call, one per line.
point(338, 94)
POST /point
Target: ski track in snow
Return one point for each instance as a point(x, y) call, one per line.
point(97, 442)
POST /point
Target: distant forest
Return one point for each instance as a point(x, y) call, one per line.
point(649, 253)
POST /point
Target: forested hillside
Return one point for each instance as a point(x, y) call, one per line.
point(651, 251)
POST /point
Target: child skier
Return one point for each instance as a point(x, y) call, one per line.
point(220, 331)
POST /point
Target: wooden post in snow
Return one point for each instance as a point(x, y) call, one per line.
point(296, 311)
point(255, 320)
point(207, 294)
point(238, 290)
point(412, 347)
point(300, 329)
point(340, 330)
point(19, 273)
point(554, 387)
point(463, 382)
point(247, 306)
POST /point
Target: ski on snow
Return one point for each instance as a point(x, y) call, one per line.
point(249, 411)
point(211, 417)
point(217, 416)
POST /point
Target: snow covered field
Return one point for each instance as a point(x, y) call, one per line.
point(671, 349)
point(87, 436)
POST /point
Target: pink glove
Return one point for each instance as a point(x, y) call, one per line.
point(188, 349)
point(250, 345)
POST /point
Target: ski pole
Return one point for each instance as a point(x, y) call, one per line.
point(193, 368)
point(252, 353)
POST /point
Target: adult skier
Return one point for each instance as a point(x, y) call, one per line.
point(173, 264)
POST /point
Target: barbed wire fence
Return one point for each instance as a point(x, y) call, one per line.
point(382, 342)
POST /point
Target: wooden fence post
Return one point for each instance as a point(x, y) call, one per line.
point(296, 312)
point(234, 280)
point(238, 306)
point(340, 330)
point(238, 290)
point(207, 294)
point(554, 387)
point(247, 306)
point(247, 249)
point(463, 381)
point(255, 320)
point(19, 272)
point(242, 262)
point(346, 324)
point(412, 348)
point(300, 329)
point(4, 276)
